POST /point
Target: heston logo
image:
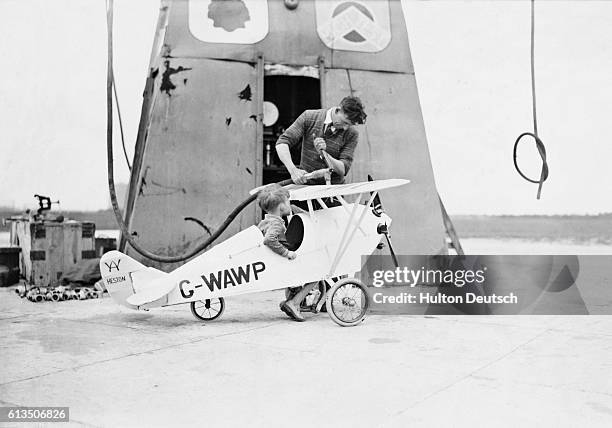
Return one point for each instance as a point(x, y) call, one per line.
point(115, 279)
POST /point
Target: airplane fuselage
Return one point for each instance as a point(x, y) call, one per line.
point(222, 279)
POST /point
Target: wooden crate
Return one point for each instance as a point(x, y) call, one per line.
point(49, 248)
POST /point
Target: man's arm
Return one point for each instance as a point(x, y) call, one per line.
point(347, 151)
point(297, 175)
point(337, 165)
point(341, 165)
point(290, 138)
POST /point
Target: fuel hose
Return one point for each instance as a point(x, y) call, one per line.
point(110, 170)
point(534, 134)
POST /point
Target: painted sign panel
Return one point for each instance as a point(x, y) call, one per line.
point(200, 155)
point(373, 37)
point(360, 26)
point(229, 21)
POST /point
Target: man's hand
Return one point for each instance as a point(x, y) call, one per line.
point(319, 144)
point(297, 175)
point(291, 255)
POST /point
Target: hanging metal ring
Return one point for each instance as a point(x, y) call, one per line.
point(541, 150)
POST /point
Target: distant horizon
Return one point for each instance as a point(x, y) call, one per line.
point(14, 210)
point(585, 229)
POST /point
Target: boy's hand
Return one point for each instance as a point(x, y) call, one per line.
point(291, 255)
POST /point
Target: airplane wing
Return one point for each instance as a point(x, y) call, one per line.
point(304, 192)
point(150, 294)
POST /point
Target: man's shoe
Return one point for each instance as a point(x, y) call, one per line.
point(291, 311)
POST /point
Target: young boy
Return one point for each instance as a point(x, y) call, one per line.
point(274, 201)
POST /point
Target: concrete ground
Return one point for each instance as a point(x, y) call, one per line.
point(254, 367)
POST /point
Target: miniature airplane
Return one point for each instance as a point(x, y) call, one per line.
point(329, 243)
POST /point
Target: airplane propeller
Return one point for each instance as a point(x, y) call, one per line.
point(377, 207)
point(383, 229)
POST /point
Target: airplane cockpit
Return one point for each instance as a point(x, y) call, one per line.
point(295, 233)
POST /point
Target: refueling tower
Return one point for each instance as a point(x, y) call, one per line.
point(227, 77)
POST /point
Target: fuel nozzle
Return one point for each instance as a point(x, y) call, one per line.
point(327, 176)
point(330, 168)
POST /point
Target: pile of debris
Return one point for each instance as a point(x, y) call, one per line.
point(60, 292)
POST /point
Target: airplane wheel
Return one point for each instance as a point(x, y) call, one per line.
point(209, 309)
point(347, 302)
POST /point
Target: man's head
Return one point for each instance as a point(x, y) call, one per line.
point(274, 199)
point(350, 112)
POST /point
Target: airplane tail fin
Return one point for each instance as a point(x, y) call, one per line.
point(121, 273)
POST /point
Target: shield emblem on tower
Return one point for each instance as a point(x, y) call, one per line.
point(229, 21)
point(354, 25)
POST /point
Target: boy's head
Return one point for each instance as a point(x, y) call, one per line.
point(274, 199)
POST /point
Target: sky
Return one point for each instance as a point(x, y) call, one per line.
point(471, 63)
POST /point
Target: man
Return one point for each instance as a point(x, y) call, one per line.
point(316, 130)
point(330, 130)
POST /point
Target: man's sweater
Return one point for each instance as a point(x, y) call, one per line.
point(340, 144)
